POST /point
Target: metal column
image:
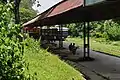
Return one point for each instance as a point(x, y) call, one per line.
point(86, 37)
point(84, 34)
point(41, 33)
point(60, 36)
point(86, 40)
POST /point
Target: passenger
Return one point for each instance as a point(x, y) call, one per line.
point(70, 47)
point(73, 44)
point(74, 48)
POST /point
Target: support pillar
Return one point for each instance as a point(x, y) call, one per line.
point(60, 36)
point(86, 40)
point(84, 35)
point(41, 33)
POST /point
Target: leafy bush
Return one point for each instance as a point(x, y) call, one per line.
point(75, 29)
point(97, 35)
point(114, 32)
point(106, 29)
point(12, 65)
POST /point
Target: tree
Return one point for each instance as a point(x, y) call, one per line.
point(22, 10)
point(16, 9)
point(75, 29)
point(26, 10)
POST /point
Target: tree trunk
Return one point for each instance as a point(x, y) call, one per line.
point(16, 11)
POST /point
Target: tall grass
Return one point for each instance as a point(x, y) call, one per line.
point(47, 66)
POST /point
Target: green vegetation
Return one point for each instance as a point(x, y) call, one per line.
point(12, 64)
point(75, 29)
point(26, 10)
point(47, 66)
point(108, 29)
point(99, 44)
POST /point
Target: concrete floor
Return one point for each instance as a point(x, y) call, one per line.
point(104, 67)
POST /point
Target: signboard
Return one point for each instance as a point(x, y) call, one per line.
point(91, 2)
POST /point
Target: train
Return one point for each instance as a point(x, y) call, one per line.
point(47, 33)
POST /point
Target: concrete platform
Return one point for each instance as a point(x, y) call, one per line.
point(104, 67)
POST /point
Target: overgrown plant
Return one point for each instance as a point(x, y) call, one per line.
point(108, 29)
point(12, 64)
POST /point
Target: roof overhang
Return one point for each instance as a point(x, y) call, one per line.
point(58, 9)
point(101, 11)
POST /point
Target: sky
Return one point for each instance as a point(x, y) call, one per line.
point(45, 4)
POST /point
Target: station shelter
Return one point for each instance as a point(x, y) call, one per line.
point(76, 11)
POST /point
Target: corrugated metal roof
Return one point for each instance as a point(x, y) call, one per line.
point(59, 8)
point(66, 6)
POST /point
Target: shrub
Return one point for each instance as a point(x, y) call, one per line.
point(12, 65)
point(106, 29)
point(114, 32)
